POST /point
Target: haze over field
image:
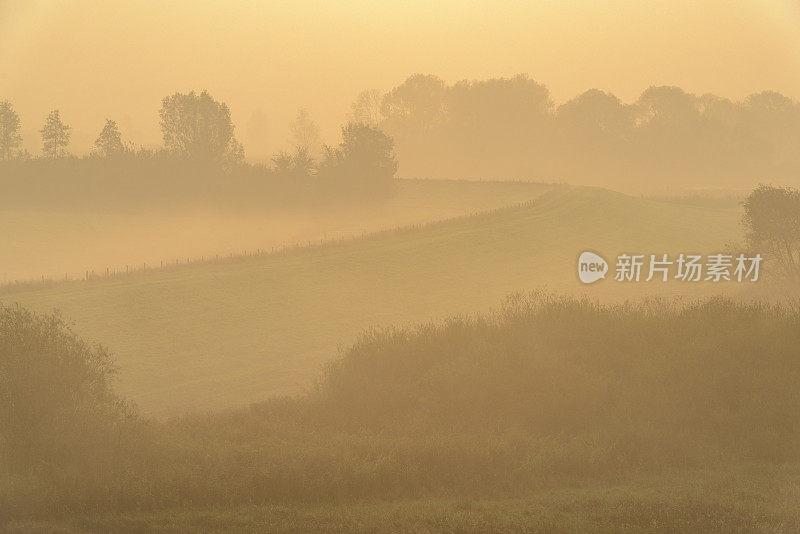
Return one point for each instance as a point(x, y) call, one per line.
point(64, 242)
point(225, 334)
point(383, 266)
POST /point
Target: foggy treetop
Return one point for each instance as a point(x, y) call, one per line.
point(511, 129)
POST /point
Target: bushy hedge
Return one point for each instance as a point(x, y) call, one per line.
point(157, 180)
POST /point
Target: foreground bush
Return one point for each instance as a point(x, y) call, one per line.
point(65, 436)
point(55, 391)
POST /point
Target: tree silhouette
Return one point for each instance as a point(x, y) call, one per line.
point(418, 104)
point(365, 156)
point(366, 109)
point(305, 132)
point(63, 387)
point(299, 165)
point(198, 127)
point(109, 142)
point(55, 136)
point(593, 114)
point(282, 162)
point(10, 139)
point(772, 218)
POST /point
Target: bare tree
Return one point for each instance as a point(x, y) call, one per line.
point(305, 132)
point(366, 109)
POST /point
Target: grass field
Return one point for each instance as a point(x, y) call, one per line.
point(220, 334)
point(750, 498)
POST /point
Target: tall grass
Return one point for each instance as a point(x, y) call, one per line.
point(544, 391)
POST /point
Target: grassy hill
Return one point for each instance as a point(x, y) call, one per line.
point(220, 334)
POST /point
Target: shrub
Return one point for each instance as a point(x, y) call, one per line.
point(57, 405)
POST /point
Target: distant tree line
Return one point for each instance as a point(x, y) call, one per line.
point(509, 128)
point(199, 142)
point(504, 128)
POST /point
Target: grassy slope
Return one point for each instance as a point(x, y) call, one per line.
point(220, 334)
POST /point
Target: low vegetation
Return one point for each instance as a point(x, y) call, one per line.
point(546, 392)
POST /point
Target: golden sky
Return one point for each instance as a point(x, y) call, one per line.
point(96, 59)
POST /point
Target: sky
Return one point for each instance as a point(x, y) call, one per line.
point(117, 59)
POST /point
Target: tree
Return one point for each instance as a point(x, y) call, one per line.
point(365, 156)
point(10, 139)
point(110, 141)
point(55, 136)
point(773, 121)
point(302, 163)
point(595, 113)
point(235, 153)
point(299, 165)
point(366, 109)
point(56, 399)
point(668, 105)
point(198, 127)
point(305, 132)
point(502, 122)
point(772, 218)
point(282, 162)
point(416, 105)
point(504, 106)
point(594, 131)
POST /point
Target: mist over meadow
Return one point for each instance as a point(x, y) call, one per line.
point(316, 268)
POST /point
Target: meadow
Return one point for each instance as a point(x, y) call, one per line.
point(413, 379)
point(458, 267)
point(219, 334)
